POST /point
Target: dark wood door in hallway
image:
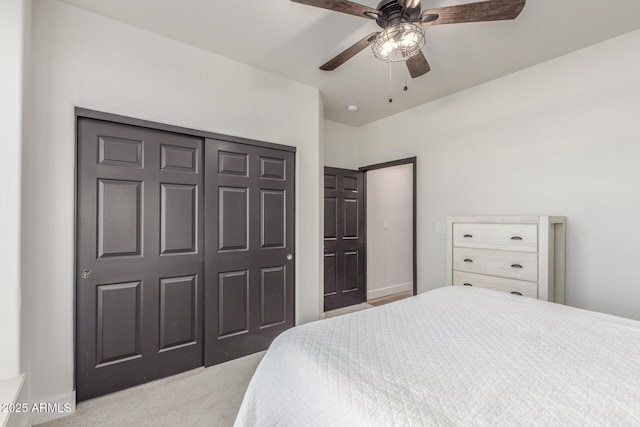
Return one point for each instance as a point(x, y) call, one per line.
point(343, 238)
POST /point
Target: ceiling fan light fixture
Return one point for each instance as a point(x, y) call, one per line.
point(398, 42)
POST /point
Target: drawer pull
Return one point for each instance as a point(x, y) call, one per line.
point(516, 266)
point(516, 293)
point(467, 235)
point(516, 238)
point(468, 260)
point(467, 284)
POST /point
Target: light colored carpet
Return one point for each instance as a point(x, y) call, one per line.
point(201, 397)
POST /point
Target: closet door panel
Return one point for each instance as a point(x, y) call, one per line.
point(139, 256)
point(249, 244)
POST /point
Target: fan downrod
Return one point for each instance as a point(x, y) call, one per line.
point(392, 13)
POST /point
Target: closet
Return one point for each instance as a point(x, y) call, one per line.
point(184, 251)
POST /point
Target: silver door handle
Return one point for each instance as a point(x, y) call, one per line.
point(289, 257)
point(85, 274)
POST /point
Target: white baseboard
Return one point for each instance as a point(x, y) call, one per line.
point(15, 390)
point(389, 290)
point(11, 393)
point(20, 419)
point(53, 408)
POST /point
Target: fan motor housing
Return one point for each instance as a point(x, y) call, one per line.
point(393, 13)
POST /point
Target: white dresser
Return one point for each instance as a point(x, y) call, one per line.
point(523, 255)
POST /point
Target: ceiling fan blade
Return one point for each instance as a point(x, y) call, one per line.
point(492, 10)
point(343, 6)
point(349, 53)
point(418, 65)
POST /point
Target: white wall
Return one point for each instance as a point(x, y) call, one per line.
point(341, 145)
point(321, 162)
point(82, 59)
point(390, 249)
point(13, 21)
point(560, 138)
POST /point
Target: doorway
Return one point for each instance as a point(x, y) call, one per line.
point(370, 242)
point(390, 217)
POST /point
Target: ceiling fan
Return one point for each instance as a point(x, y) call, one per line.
point(402, 37)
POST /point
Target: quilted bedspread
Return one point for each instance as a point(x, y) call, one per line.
point(455, 356)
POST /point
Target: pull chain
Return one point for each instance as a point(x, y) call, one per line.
point(390, 98)
point(405, 81)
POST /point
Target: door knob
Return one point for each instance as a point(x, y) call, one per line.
point(85, 274)
point(289, 257)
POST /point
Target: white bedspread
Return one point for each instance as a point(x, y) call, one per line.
point(455, 356)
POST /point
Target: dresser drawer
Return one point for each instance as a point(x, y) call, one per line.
point(515, 237)
point(509, 264)
point(528, 289)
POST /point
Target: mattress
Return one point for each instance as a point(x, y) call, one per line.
point(455, 356)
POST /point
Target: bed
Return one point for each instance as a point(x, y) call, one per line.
point(454, 356)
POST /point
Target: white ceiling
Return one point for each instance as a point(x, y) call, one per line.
point(293, 40)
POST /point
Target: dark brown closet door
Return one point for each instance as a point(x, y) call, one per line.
point(343, 238)
point(249, 266)
point(139, 256)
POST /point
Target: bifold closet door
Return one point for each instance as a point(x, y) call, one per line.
point(249, 246)
point(139, 280)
